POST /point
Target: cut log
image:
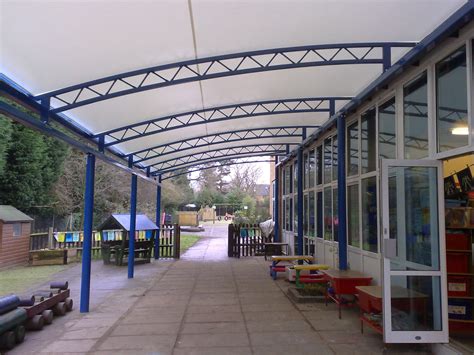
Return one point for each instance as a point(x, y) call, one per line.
point(8, 303)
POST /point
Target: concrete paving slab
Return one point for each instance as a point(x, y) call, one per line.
point(213, 340)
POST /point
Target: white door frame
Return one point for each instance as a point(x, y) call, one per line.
point(391, 336)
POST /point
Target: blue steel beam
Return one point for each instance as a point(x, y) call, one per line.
point(200, 168)
point(299, 191)
point(133, 221)
point(216, 153)
point(341, 191)
point(181, 145)
point(158, 220)
point(197, 163)
point(220, 158)
point(220, 66)
point(217, 114)
point(30, 121)
point(87, 245)
point(276, 213)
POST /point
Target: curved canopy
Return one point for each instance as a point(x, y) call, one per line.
point(175, 83)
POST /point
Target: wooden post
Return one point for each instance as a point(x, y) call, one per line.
point(177, 241)
point(50, 238)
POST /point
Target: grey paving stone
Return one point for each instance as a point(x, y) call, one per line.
point(212, 340)
point(86, 333)
point(69, 346)
point(215, 350)
point(273, 315)
point(317, 349)
point(277, 326)
point(284, 338)
point(156, 343)
point(213, 328)
point(147, 329)
point(214, 317)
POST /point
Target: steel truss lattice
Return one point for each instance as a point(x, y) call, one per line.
point(218, 138)
point(219, 66)
point(220, 113)
point(217, 153)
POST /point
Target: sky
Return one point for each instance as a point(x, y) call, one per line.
point(264, 168)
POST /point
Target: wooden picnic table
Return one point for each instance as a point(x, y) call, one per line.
point(315, 277)
point(289, 259)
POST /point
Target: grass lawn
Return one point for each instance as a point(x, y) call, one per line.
point(187, 241)
point(19, 279)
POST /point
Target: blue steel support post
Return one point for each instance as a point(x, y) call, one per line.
point(87, 244)
point(300, 201)
point(158, 219)
point(276, 209)
point(341, 191)
point(133, 220)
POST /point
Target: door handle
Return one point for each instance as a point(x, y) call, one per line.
point(390, 248)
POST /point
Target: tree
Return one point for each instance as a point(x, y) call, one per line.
point(245, 178)
point(208, 197)
point(5, 138)
point(32, 165)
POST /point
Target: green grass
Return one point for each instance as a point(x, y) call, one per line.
point(19, 279)
point(187, 241)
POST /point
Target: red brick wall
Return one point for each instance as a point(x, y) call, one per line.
point(14, 250)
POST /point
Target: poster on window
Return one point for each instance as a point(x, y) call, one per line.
point(465, 179)
point(450, 189)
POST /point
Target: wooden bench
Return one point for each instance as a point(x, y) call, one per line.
point(276, 267)
point(313, 277)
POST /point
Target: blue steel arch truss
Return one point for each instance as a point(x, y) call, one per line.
point(219, 153)
point(217, 138)
point(220, 113)
point(216, 67)
point(216, 160)
point(198, 168)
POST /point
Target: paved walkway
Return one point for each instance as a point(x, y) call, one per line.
point(204, 303)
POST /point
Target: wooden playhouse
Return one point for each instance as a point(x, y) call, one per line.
point(15, 229)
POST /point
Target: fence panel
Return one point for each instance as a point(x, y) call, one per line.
point(246, 240)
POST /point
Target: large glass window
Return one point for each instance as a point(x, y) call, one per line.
point(305, 214)
point(290, 215)
point(306, 170)
point(451, 101)
point(295, 214)
point(289, 175)
point(295, 177)
point(387, 130)
point(284, 181)
point(415, 118)
point(368, 137)
point(327, 160)
point(353, 215)
point(353, 149)
point(319, 165)
point(311, 216)
point(335, 214)
point(369, 214)
point(312, 168)
point(328, 213)
point(334, 158)
point(319, 214)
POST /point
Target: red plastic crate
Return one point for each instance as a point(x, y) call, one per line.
point(458, 241)
point(459, 286)
point(457, 262)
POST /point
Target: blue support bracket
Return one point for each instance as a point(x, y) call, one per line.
point(341, 191)
point(276, 207)
point(300, 201)
point(44, 111)
point(87, 244)
point(158, 219)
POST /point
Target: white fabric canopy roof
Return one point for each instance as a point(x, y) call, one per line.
point(49, 45)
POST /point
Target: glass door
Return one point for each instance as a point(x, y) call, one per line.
point(414, 261)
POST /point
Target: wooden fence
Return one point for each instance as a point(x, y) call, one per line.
point(170, 237)
point(246, 240)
